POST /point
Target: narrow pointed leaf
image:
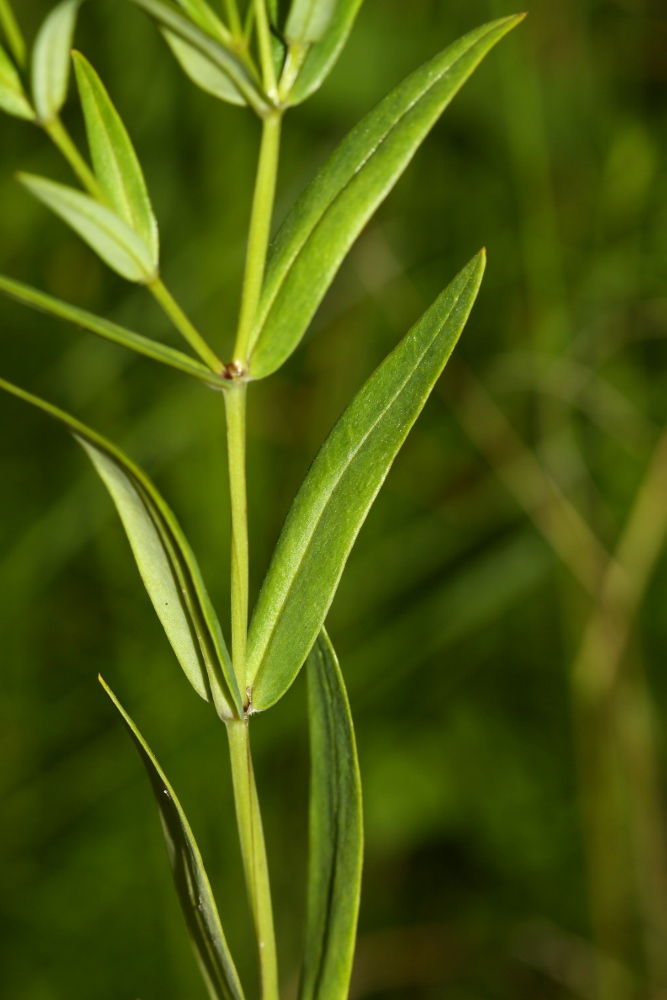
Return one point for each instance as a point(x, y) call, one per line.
point(167, 16)
point(109, 331)
point(309, 19)
point(341, 485)
point(51, 60)
point(107, 234)
point(190, 879)
point(116, 165)
point(166, 562)
point(13, 98)
point(326, 220)
point(203, 73)
point(12, 32)
point(336, 832)
point(323, 55)
point(201, 14)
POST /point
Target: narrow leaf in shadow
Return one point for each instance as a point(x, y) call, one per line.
point(13, 98)
point(50, 60)
point(116, 164)
point(321, 57)
point(110, 331)
point(319, 231)
point(336, 832)
point(166, 562)
point(107, 234)
point(341, 485)
point(192, 885)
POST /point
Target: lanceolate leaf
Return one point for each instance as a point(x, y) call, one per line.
point(336, 832)
point(322, 226)
point(227, 61)
point(201, 14)
point(110, 331)
point(309, 19)
point(107, 234)
point(13, 99)
point(50, 60)
point(190, 878)
point(116, 165)
point(203, 73)
point(166, 563)
point(322, 56)
point(340, 487)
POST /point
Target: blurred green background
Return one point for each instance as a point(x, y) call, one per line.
point(457, 622)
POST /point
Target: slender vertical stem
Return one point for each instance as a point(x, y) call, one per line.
point(260, 230)
point(254, 854)
point(235, 404)
point(62, 139)
point(184, 326)
point(234, 18)
point(265, 49)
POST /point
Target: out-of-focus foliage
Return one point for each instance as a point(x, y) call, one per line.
point(455, 625)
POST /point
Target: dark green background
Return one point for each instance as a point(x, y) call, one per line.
point(455, 624)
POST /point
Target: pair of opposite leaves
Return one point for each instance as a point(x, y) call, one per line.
point(352, 464)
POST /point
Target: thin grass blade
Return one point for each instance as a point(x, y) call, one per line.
point(166, 562)
point(341, 485)
point(190, 879)
point(323, 54)
point(12, 32)
point(227, 61)
point(115, 161)
point(319, 231)
point(109, 331)
point(51, 60)
point(107, 234)
point(336, 832)
point(202, 72)
point(13, 99)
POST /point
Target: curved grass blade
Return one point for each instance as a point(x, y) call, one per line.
point(110, 331)
point(103, 231)
point(323, 55)
point(115, 161)
point(13, 98)
point(226, 61)
point(203, 73)
point(317, 234)
point(336, 832)
point(166, 562)
point(12, 32)
point(192, 885)
point(50, 60)
point(309, 19)
point(341, 485)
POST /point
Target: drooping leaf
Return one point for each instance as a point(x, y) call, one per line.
point(13, 98)
point(203, 73)
point(107, 234)
point(336, 832)
point(317, 234)
point(336, 495)
point(309, 19)
point(109, 331)
point(50, 60)
point(166, 563)
point(190, 879)
point(323, 54)
point(225, 59)
point(116, 165)
point(12, 32)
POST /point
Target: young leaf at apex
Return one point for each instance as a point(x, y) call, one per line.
point(319, 56)
point(326, 220)
point(190, 879)
point(115, 161)
point(335, 832)
point(165, 560)
point(51, 60)
point(342, 483)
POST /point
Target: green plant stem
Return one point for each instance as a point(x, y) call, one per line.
point(13, 32)
point(260, 231)
point(266, 49)
point(62, 139)
point(235, 405)
point(234, 18)
point(253, 851)
point(164, 297)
